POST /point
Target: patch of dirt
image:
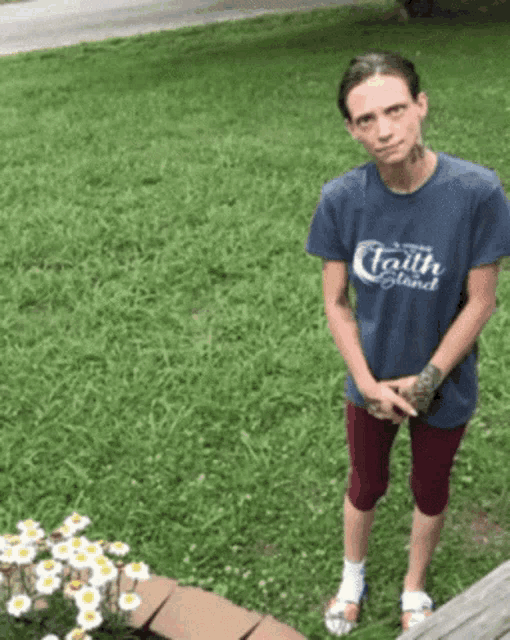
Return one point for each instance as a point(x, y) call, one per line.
point(479, 530)
point(483, 529)
point(266, 549)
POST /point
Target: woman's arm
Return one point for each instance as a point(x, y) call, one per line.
point(467, 326)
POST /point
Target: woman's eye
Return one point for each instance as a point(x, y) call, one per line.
point(399, 107)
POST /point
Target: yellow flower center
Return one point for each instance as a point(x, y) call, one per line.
point(23, 553)
point(88, 597)
point(136, 566)
point(49, 564)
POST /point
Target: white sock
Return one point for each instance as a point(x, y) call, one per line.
point(353, 580)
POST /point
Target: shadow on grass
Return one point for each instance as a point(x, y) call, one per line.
point(162, 57)
point(320, 30)
point(491, 15)
point(132, 65)
point(292, 32)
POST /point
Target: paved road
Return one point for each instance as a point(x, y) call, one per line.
point(44, 24)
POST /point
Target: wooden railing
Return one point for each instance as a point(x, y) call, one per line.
point(482, 612)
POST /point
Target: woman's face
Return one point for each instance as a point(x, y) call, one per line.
point(384, 114)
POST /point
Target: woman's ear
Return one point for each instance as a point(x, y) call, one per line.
point(424, 103)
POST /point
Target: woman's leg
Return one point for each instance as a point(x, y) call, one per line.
point(369, 440)
point(433, 452)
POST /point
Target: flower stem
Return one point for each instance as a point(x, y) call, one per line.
point(24, 580)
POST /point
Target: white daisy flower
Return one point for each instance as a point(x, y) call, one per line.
point(76, 521)
point(8, 555)
point(66, 531)
point(61, 551)
point(47, 584)
point(78, 543)
point(23, 554)
point(118, 548)
point(129, 601)
point(79, 560)
point(47, 567)
point(77, 634)
point(100, 560)
point(19, 605)
point(93, 549)
point(51, 637)
point(32, 536)
point(23, 525)
point(89, 619)
point(87, 598)
point(101, 575)
point(73, 587)
point(137, 571)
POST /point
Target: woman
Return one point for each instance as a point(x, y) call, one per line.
point(419, 234)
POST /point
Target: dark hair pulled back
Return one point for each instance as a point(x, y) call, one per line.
point(368, 64)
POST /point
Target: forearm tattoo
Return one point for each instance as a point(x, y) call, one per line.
point(422, 393)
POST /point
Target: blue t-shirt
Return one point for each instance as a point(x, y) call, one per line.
point(408, 259)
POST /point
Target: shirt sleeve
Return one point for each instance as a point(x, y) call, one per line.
point(491, 229)
point(325, 236)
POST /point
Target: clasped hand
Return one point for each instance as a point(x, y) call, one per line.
point(406, 393)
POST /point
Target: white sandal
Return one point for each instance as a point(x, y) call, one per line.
point(419, 604)
point(334, 615)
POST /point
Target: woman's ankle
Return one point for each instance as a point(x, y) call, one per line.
point(353, 580)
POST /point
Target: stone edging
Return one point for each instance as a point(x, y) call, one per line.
point(189, 613)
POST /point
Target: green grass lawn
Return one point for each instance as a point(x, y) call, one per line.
point(167, 368)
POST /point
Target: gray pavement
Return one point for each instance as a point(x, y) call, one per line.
point(46, 24)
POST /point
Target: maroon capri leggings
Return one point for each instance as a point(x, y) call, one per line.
point(370, 441)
